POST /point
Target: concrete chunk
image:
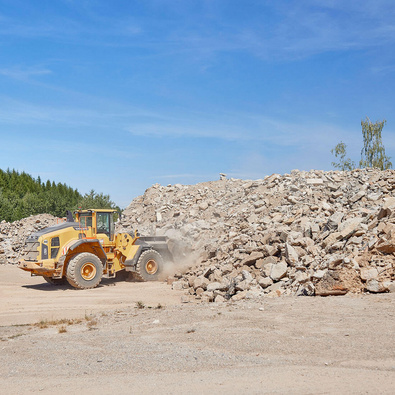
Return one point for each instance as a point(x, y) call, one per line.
point(315, 181)
point(278, 271)
point(291, 254)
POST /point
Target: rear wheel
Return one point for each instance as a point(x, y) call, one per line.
point(84, 271)
point(55, 281)
point(150, 266)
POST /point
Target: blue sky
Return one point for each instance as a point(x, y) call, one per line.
point(118, 95)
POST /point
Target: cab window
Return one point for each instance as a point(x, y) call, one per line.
point(85, 220)
point(103, 223)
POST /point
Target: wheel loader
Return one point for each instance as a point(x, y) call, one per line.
point(84, 250)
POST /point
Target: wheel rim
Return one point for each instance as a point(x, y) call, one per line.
point(88, 271)
point(151, 267)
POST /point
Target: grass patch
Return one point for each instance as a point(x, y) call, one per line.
point(15, 336)
point(88, 319)
point(91, 323)
point(16, 325)
point(62, 329)
point(140, 305)
point(64, 321)
point(42, 324)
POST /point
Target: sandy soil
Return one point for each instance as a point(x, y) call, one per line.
point(306, 345)
point(27, 299)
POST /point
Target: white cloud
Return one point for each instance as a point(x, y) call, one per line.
point(243, 127)
point(281, 30)
point(21, 73)
point(298, 29)
point(100, 113)
point(232, 127)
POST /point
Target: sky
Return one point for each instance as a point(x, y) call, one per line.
point(117, 95)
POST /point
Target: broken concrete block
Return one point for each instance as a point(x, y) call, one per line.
point(265, 282)
point(376, 286)
point(390, 285)
point(358, 196)
point(335, 220)
point(386, 246)
point(216, 286)
point(219, 299)
point(278, 271)
point(369, 273)
point(252, 258)
point(239, 296)
point(291, 254)
point(349, 227)
point(315, 181)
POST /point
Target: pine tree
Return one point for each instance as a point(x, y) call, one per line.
point(21, 195)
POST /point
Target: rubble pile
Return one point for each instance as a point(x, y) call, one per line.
point(13, 235)
point(304, 233)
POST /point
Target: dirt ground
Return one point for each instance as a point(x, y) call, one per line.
point(125, 337)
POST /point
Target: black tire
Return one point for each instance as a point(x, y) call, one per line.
point(150, 266)
point(84, 271)
point(55, 281)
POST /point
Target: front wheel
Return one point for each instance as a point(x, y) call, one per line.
point(84, 271)
point(150, 266)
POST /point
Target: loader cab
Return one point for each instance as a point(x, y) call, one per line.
point(100, 221)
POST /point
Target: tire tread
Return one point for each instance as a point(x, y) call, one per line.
point(72, 274)
point(139, 266)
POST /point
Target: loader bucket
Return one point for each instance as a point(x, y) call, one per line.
point(158, 243)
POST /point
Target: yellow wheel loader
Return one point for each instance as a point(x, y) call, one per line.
point(84, 250)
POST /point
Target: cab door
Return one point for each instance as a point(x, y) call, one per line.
point(105, 226)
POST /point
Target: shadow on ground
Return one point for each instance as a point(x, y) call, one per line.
point(105, 282)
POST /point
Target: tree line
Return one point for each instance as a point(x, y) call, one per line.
point(21, 195)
